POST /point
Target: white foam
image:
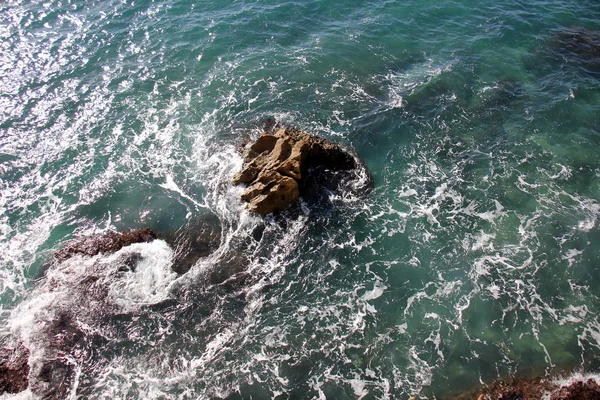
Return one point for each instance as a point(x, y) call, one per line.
point(171, 185)
point(495, 290)
point(358, 386)
point(576, 377)
point(483, 241)
point(24, 395)
point(150, 282)
point(376, 292)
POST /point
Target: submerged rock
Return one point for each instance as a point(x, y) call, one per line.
point(85, 299)
point(280, 162)
point(14, 369)
point(105, 243)
point(66, 344)
point(579, 43)
point(198, 239)
point(580, 46)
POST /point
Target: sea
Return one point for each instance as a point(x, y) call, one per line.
point(475, 255)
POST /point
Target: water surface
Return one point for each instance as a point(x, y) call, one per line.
point(474, 257)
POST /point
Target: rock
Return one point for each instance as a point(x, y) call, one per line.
point(128, 262)
point(589, 390)
point(534, 388)
point(65, 348)
point(231, 267)
point(54, 379)
point(279, 163)
point(512, 396)
point(50, 373)
point(271, 192)
point(14, 369)
point(198, 239)
point(104, 243)
point(264, 143)
point(64, 332)
point(579, 43)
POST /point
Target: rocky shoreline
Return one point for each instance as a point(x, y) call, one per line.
point(537, 388)
point(15, 370)
point(48, 371)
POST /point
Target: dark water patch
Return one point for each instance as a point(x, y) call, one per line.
point(580, 47)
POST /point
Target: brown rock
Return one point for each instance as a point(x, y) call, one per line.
point(275, 164)
point(107, 242)
point(282, 150)
point(255, 190)
point(14, 369)
point(291, 166)
point(246, 175)
point(252, 169)
point(275, 197)
point(271, 192)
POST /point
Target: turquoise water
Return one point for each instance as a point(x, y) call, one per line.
point(476, 255)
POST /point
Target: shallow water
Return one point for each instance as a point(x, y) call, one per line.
point(474, 257)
